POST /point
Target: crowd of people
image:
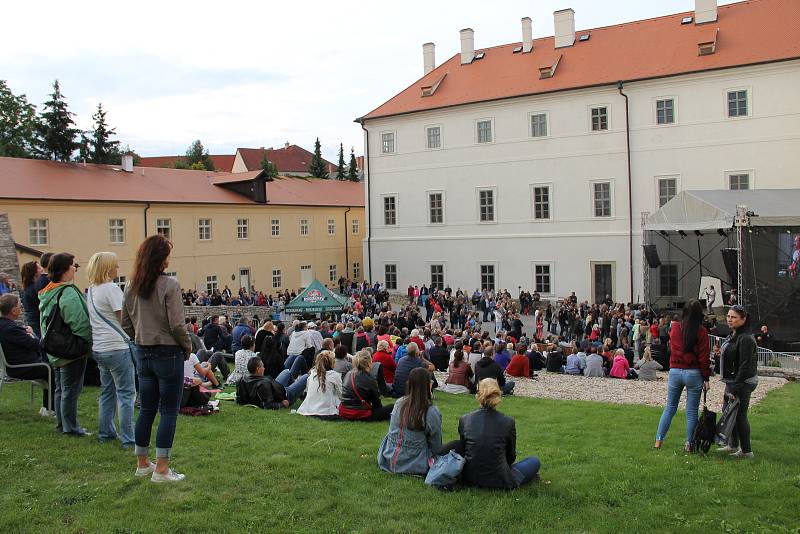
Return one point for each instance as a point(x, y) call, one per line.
point(373, 362)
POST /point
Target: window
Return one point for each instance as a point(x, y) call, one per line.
point(739, 181)
point(204, 229)
point(542, 282)
point(539, 125)
point(304, 227)
point(435, 208)
point(121, 282)
point(433, 135)
point(601, 196)
point(242, 228)
point(437, 277)
point(387, 143)
point(390, 275)
point(332, 273)
point(541, 202)
point(486, 205)
point(211, 283)
point(116, 230)
point(599, 119)
point(356, 270)
point(356, 226)
point(487, 277)
point(275, 228)
point(665, 111)
point(164, 227)
point(667, 188)
point(737, 103)
point(390, 211)
point(331, 226)
point(668, 280)
point(484, 132)
point(277, 279)
point(37, 231)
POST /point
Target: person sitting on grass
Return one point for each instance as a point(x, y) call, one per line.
point(620, 368)
point(361, 397)
point(488, 442)
point(488, 368)
point(200, 373)
point(324, 389)
point(575, 364)
point(520, 364)
point(343, 362)
point(266, 393)
point(459, 375)
point(241, 358)
point(594, 364)
point(415, 429)
point(407, 363)
point(648, 366)
point(384, 357)
point(502, 356)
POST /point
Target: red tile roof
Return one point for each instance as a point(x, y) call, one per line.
point(289, 159)
point(751, 32)
point(50, 180)
point(222, 162)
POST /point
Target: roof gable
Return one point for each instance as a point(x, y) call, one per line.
point(289, 159)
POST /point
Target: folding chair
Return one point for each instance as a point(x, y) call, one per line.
point(4, 377)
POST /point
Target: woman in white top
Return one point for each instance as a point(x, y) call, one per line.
point(241, 358)
point(324, 389)
point(111, 350)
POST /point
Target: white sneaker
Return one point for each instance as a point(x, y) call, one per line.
point(742, 455)
point(727, 449)
point(44, 412)
point(171, 476)
point(144, 471)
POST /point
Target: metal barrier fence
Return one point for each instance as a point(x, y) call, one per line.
point(769, 358)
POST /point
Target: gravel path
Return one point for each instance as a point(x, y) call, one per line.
point(566, 387)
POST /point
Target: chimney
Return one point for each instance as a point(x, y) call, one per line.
point(467, 46)
point(565, 27)
point(428, 57)
point(705, 11)
point(286, 144)
point(127, 162)
point(527, 35)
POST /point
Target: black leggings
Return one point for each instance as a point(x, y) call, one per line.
point(740, 436)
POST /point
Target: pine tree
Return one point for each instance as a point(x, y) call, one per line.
point(340, 172)
point(85, 148)
point(197, 154)
point(352, 172)
point(267, 165)
point(18, 124)
point(103, 149)
point(57, 130)
point(317, 168)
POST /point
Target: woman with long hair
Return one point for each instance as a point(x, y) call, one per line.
point(323, 389)
point(739, 370)
point(689, 364)
point(153, 316)
point(415, 429)
point(29, 297)
point(361, 397)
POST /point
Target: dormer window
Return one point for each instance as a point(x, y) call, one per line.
point(708, 46)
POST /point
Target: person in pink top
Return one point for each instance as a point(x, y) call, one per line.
point(620, 367)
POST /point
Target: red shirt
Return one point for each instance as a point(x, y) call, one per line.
point(520, 365)
point(695, 358)
point(387, 364)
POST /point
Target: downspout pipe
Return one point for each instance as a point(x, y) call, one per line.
point(146, 209)
point(369, 198)
point(346, 246)
point(620, 86)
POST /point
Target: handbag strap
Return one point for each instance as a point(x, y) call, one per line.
point(125, 337)
point(355, 389)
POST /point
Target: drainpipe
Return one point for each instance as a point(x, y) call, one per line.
point(346, 247)
point(369, 211)
point(630, 187)
point(145, 219)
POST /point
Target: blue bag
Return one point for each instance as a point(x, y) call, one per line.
point(445, 470)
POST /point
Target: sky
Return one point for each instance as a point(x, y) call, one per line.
point(245, 74)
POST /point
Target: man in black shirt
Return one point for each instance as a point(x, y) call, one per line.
point(486, 367)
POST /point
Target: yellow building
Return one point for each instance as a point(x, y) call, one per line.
point(235, 230)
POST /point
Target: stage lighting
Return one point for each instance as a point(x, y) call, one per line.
point(682, 233)
point(698, 233)
point(721, 232)
point(788, 230)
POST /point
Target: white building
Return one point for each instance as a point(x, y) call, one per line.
point(509, 166)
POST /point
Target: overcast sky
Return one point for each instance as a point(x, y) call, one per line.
point(241, 74)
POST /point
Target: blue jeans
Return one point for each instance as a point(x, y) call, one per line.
point(160, 370)
point(525, 470)
point(293, 389)
point(296, 364)
point(69, 384)
point(118, 393)
point(692, 380)
point(508, 387)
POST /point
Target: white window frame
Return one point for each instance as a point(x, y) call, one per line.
point(277, 274)
point(381, 145)
point(275, 227)
point(112, 228)
point(441, 137)
point(749, 101)
point(331, 227)
point(355, 226)
point(550, 187)
point(332, 273)
point(383, 208)
point(200, 228)
point(493, 131)
point(428, 195)
point(493, 189)
point(164, 227)
point(494, 264)
point(356, 270)
point(658, 99)
point(552, 266)
point(211, 280)
point(242, 228)
point(658, 179)
point(751, 180)
point(396, 280)
point(441, 264)
point(608, 118)
point(304, 222)
point(530, 124)
point(591, 198)
point(121, 281)
point(43, 230)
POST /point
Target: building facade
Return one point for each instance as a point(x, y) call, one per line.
point(530, 165)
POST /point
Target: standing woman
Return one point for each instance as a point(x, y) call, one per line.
point(689, 365)
point(61, 291)
point(739, 370)
point(111, 350)
point(29, 295)
point(153, 316)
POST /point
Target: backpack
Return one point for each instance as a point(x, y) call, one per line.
point(706, 429)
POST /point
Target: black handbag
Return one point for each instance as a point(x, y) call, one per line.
point(706, 429)
point(727, 421)
point(59, 340)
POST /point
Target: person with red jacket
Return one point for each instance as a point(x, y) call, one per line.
point(690, 367)
point(520, 364)
point(386, 359)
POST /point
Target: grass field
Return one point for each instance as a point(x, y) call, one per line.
point(258, 471)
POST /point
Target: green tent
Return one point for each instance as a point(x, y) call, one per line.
point(316, 298)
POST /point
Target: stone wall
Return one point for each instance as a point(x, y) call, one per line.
point(8, 253)
point(263, 312)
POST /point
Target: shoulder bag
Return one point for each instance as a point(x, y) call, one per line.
point(59, 340)
point(116, 328)
point(706, 429)
point(353, 413)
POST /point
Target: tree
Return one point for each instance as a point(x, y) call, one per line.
point(85, 148)
point(197, 154)
point(352, 172)
point(18, 124)
point(317, 167)
point(57, 130)
point(267, 165)
point(103, 149)
point(340, 171)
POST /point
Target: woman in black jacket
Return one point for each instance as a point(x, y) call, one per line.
point(486, 367)
point(361, 397)
point(739, 370)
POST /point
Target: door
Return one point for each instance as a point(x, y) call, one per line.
point(305, 276)
point(244, 278)
point(602, 280)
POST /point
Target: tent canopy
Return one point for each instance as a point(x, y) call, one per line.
point(710, 210)
point(316, 298)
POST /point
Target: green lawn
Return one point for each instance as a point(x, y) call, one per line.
point(253, 470)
